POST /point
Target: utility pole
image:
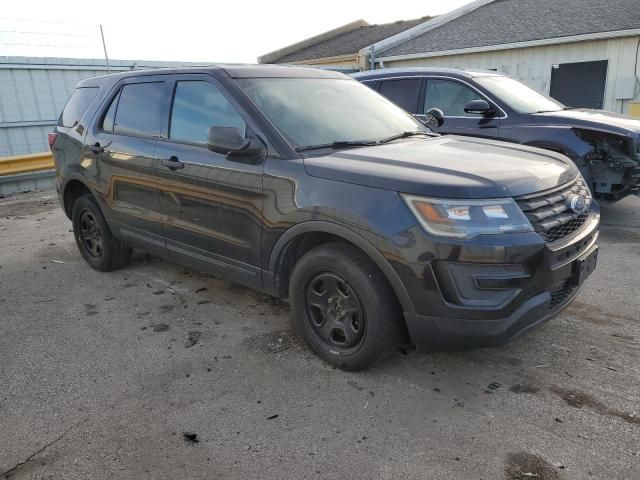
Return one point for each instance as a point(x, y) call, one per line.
point(104, 46)
point(373, 58)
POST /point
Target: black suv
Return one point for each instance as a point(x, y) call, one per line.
point(309, 186)
point(604, 145)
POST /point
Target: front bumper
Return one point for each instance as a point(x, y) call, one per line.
point(488, 291)
point(429, 331)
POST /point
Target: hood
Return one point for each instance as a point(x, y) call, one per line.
point(447, 166)
point(596, 119)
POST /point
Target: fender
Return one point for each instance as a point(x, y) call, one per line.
point(285, 240)
point(559, 138)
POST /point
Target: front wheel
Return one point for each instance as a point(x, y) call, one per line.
point(343, 306)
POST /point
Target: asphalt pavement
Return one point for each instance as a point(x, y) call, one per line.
point(160, 372)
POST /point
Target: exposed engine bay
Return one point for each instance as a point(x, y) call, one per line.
point(612, 167)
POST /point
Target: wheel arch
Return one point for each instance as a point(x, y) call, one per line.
point(73, 188)
point(552, 146)
point(282, 252)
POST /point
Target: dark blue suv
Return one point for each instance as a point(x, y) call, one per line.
point(604, 145)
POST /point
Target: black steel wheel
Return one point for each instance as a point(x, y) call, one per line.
point(344, 307)
point(91, 234)
point(335, 311)
point(95, 241)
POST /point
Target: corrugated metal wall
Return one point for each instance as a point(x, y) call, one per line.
point(533, 65)
point(34, 90)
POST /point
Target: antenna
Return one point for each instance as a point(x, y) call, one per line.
point(104, 46)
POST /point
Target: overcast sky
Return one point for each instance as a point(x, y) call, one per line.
point(186, 30)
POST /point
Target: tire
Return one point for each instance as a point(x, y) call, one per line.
point(94, 239)
point(344, 308)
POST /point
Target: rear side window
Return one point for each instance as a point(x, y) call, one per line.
point(77, 106)
point(371, 84)
point(139, 109)
point(110, 117)
point(449, 96)
point(198, 105)
point(403, 93)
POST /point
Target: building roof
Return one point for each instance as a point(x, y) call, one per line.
point(344, 42)
point(501, 22)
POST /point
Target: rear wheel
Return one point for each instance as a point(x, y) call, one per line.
point(94, 239)
point(344, 307)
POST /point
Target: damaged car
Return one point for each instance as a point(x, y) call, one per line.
point(604, 145)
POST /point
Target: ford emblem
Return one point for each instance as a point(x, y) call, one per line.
point(578, 203)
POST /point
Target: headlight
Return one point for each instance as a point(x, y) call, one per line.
point(468, 218)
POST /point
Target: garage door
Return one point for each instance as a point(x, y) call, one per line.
point(579, 85)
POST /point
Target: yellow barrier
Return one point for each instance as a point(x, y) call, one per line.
point(26, 163)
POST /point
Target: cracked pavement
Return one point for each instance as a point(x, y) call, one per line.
point(102, 374)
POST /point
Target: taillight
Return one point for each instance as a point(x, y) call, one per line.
point(51, 137)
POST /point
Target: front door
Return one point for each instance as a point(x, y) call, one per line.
point(211, 206)
point(451, 96)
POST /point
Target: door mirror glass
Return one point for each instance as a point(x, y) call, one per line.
point(229, 141)
point(479, 107)
point(226, 139)
point(434, 117)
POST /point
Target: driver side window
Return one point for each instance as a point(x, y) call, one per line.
point(198, 105)
point(450, 97)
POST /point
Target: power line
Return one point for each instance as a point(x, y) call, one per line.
point(12, 19)
point(43, 45)
point(48, 33)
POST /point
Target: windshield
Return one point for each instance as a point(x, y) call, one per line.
point(318, 111)
point(518, 96)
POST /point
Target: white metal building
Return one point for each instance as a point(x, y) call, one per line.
point(582, 52)
point(33, 91)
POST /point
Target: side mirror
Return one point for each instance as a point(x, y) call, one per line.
point(434, 117)
point(479, 107)
point(225, 139)
point(230, 142)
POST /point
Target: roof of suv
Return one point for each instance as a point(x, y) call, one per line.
point(417, 71)
point(223, 70)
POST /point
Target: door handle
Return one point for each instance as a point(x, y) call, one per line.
point(173, 163)
point(96, 148)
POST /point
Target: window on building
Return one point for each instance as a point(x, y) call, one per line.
point(449, 96)
point(198, 105)
point(139, 109)
point(403, 93)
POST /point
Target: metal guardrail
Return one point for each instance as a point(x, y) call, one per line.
point(26, 163)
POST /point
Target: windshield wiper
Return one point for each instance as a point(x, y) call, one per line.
point(337, 144)
point(406, 135)
point(363, 143)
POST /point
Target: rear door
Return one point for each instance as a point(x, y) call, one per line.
point(212, 207)
point(404, 92)
point(120, 152)
point(451, 96)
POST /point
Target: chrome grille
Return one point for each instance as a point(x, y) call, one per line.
point(550, 213)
